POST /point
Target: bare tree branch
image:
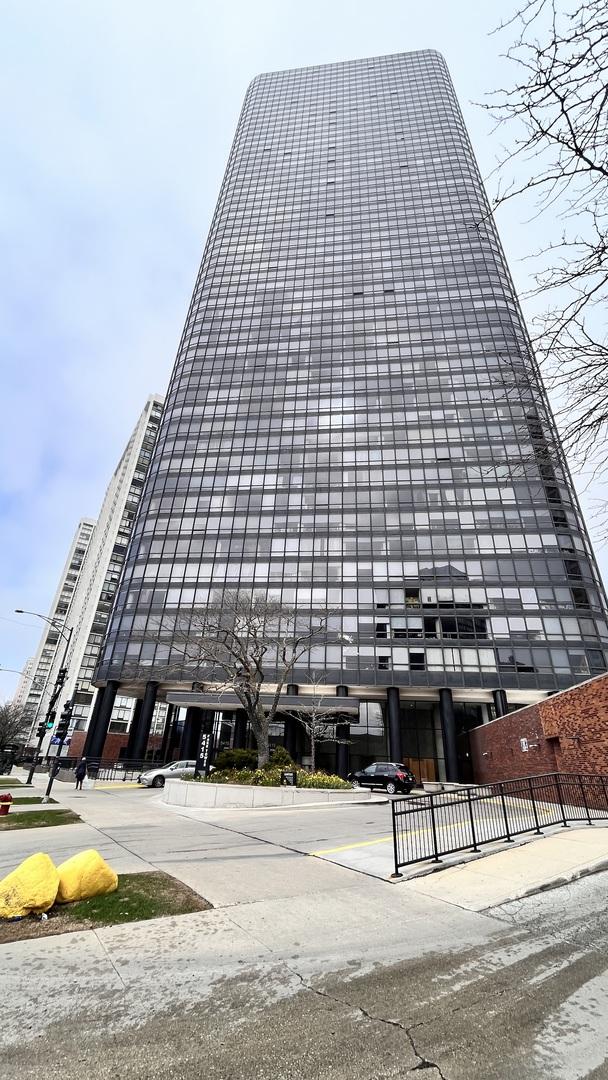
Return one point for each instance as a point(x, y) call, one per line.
point(14, 724)
point(557, 115)
point(238, 644)
point(318, 718)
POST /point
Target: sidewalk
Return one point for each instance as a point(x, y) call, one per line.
point(543, 863)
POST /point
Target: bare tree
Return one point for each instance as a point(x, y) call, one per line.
point(557, 111)
point(238, 644)
point(318, 718)
point(13, 724)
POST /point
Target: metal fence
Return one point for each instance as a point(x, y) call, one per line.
point(105, 769)
point(429, 826)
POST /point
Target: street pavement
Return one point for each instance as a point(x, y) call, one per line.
point(305, 968)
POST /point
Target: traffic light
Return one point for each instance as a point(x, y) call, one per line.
point(41, 732)
point(61, 676)
point(50, 720)
point(64, 721)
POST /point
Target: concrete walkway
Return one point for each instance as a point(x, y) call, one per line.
point(306, 968)
point(543, 863)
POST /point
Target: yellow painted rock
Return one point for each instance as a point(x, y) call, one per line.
point(83, 876)
point(32, 887)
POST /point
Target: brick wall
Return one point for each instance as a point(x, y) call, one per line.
point(115, 740)
point(565, 733)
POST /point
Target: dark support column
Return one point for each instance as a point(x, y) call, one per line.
point(239, 741)
point(342, 749)
point(448, 727)
point(104, 716)
point(140, 743)
point(191, 735)
point(93, 721)
point(290, 727)
point(393, 711)
point(164, 746)
point(174, 734)
point(500, 702)
point(133, 730)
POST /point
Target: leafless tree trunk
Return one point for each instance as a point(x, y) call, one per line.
point(238, 644)
point(318, 718)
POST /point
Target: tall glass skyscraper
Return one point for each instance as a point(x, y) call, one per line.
point(355, 422)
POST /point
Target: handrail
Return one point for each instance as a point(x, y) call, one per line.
point(426, 827)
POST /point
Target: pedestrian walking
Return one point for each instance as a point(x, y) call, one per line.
point(81, 772)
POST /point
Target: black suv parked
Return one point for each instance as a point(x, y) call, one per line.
point(389, 775)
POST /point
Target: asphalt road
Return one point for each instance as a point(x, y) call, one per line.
point(527, 1003)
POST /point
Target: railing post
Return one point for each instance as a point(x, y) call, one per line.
point(534, 806)
point(585, 804)
point(434, 829)
point(604, 790)
point(509, 838)
point(565, 824)
point(472, 817)
point(395, 851)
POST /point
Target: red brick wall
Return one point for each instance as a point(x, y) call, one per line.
point(496, 752)
point(114, 742)
point(566, 733)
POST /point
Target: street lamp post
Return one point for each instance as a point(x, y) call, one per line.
point(49, 719)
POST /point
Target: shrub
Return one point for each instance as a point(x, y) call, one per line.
point(281, 759)
point(321, 780)
point(270, 776)
point(236, 759)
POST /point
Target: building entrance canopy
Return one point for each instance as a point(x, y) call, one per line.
point(299, 702)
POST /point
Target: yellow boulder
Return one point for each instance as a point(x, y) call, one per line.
point(83, 876)
point(32, 887)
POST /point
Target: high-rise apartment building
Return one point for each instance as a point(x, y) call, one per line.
point(355, 422)
point(92, 593)
point(35, 694)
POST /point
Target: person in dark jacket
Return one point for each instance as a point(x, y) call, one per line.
point(81, 772)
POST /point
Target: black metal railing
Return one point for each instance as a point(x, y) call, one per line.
point(429, 826)
point(105, 768)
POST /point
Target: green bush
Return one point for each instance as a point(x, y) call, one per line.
point(236, 759)
point(321, 780)
point(281, 759)
point(270, 776)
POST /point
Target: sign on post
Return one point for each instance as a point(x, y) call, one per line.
point(203, 759)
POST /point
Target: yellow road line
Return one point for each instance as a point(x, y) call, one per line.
point(347, 847)
point(384, 839)
point(117, 784)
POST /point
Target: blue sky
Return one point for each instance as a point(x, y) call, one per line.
point(117, 118)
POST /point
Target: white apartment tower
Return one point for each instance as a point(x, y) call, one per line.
point(42, 667)
point(92, 593)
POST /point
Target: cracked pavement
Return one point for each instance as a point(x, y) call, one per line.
point(306, 969)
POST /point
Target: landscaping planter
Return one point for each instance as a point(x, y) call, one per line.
point(254, 796)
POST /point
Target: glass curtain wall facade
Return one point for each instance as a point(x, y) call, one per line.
point(355, 421)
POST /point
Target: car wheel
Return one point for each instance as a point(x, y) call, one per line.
point(159, 781)
point(391, 787)
point(355, 783)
